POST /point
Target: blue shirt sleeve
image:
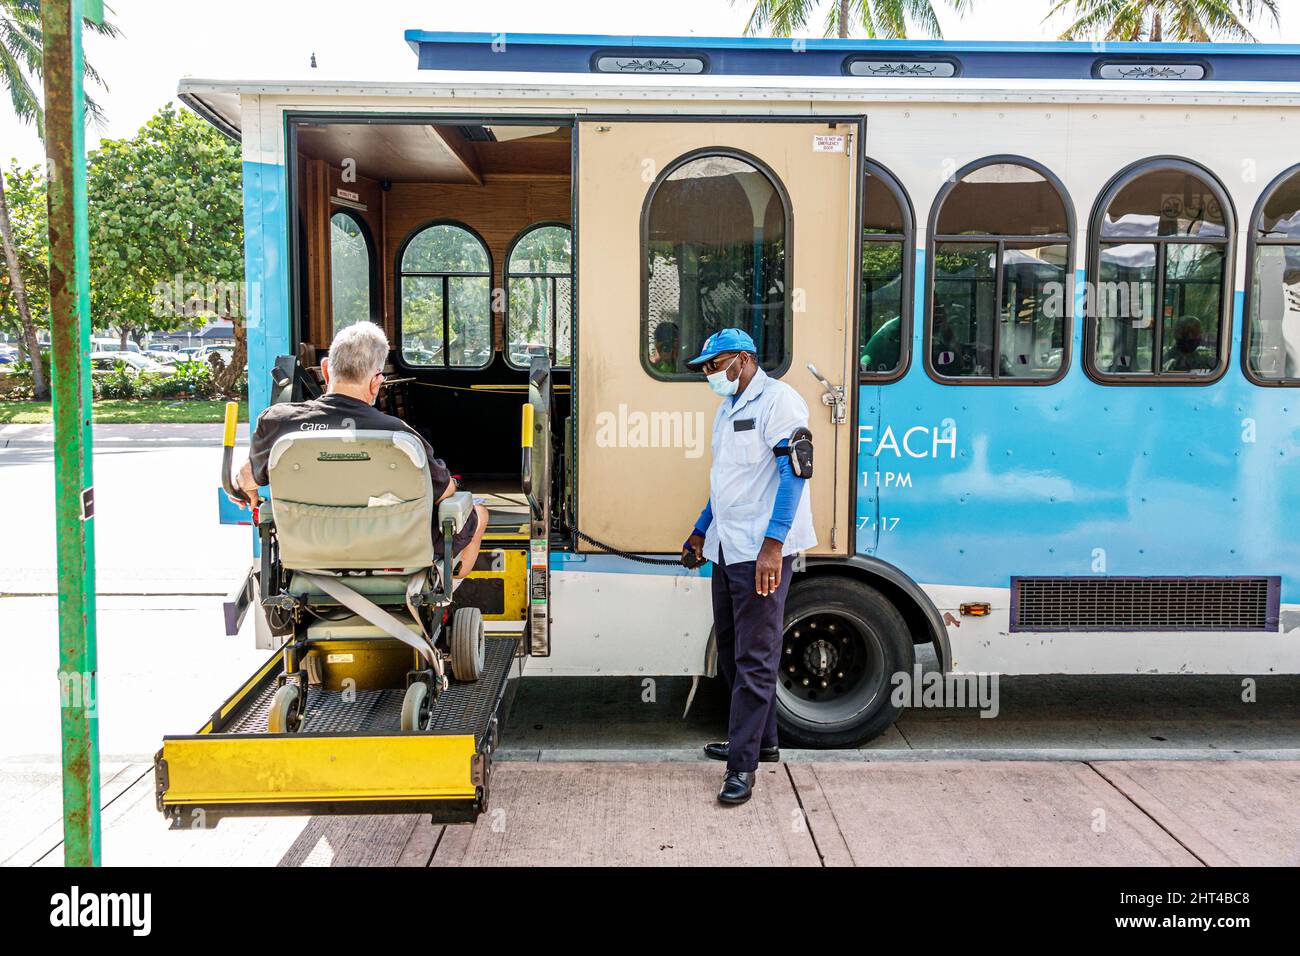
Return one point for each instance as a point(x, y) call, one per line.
point(705, 519)
point(788, 489)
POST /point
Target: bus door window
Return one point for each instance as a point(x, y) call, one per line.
point(715, 257)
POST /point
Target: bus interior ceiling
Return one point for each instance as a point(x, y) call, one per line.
point(456, 239)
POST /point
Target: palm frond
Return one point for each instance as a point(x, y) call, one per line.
point(27, 106)
point(1182, 20)
point(22, 60)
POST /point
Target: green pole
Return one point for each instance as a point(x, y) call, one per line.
point(74, 502)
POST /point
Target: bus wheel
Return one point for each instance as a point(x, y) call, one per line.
point(843, 641)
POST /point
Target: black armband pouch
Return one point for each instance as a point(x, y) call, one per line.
point(800, 450)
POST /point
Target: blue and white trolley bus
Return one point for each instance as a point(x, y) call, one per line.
point(1044, 300)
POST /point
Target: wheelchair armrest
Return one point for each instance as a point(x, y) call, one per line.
point(456, 509)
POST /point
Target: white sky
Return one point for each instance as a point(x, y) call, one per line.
point(164, 40)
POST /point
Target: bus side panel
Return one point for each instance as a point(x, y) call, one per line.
point(614, 617)
point(963, 487)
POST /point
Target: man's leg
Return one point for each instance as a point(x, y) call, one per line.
point(758, 624)
point(724, 625)
point(779, 596)
point(467, 555)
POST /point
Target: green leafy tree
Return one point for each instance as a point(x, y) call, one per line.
point(1190, 20)
point(21, 64)
point(29, 238)
point(167, 231)
point(887, 19)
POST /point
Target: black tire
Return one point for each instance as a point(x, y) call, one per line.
point(467, 644)
point(838, 694)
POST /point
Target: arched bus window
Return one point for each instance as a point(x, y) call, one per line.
point(539, 295)
point(1001, 245)
point(444, 298)
point(1158, 271)
point(1272, 339)
point(885, 298)
point(352, 266)
point(714, 241)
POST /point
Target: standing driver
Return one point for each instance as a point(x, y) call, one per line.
point(757, 518)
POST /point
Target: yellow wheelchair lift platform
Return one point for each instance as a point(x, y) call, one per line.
point(349, 756)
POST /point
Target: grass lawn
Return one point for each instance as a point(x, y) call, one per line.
point(124, 412)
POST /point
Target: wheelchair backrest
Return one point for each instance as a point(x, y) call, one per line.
point(352, 499)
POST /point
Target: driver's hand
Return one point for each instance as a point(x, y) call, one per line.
point(695, 543)
point(767, 569)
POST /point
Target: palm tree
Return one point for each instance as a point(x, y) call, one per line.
point(1156, 20)
point(21, 60)
point(887, 19)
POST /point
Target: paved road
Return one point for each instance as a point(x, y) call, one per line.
point(155, 511)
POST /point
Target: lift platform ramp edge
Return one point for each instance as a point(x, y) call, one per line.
point(349, 756)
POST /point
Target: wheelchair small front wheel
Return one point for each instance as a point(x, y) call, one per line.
point(285, 715)
point(468, 644)
point(415, 707)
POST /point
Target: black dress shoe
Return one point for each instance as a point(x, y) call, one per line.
point(721, 751)
point(737, 787)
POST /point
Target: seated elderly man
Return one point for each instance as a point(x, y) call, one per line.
point(353, 376)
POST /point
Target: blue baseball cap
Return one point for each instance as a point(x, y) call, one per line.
point(721, 342)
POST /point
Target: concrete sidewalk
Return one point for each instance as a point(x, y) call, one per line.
point(987, 813)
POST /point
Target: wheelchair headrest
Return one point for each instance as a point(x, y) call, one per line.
point(348, 466)
point(352, 499)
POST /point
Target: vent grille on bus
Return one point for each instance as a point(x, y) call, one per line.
point(1144, 604)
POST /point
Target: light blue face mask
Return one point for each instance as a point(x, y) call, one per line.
point(722, 385)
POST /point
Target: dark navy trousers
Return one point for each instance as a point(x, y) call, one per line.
point(748, 630)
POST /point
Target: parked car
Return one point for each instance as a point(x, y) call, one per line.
point(113, 345)
point(107, 361)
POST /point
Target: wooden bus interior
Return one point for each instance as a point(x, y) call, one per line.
point(384, 184)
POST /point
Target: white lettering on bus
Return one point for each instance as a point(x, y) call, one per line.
point(888, 442)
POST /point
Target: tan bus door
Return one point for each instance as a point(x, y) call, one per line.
point(685, 227)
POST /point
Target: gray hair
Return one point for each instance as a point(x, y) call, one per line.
point(358, 352)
